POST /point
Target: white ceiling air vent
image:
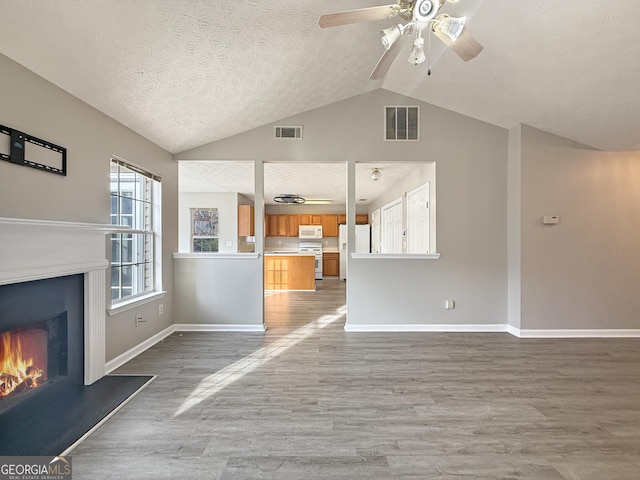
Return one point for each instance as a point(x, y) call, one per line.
point(288, 132)
point(402, 123)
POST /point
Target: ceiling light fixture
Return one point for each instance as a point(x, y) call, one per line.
point(449, 26)
point(391, 34)
point(417, 53)
point(317, 201)
point(376, 174)
point(289, 199)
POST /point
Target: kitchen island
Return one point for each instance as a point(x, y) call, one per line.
point(289, 271)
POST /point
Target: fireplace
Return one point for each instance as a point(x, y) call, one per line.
point(31, 357)
point(41, 337)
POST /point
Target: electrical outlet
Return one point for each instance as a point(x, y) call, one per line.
point(139, 320)
point(161, 309)
point(449, 304)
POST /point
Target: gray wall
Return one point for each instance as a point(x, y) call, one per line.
point(584, 272)
point(471, 159)
point(35, 106)
point(227, 205)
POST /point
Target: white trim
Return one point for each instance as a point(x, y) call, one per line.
point(49, 224)
point(107, 417)
point(217, 256)
point(134, 302)
point(130, 354)
point(49, 271)
point(575, 333)
point(217, 327)
point(423, 327)
point(398, 256)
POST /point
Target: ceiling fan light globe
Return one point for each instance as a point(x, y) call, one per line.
point(390, 35)
point(450, 26)
point(417, 52)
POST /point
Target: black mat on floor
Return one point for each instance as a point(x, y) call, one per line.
point(49, 424)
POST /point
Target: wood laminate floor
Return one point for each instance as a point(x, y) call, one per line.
point(305, 400)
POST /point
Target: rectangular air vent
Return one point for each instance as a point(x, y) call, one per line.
point(288, 132)
point(402, 123)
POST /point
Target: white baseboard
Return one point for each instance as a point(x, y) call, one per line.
point(217, 327)
point(130, 354)
point(423, 327)
point(574, 333)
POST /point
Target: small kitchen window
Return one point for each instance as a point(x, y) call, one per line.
point(205, 230)
point(402, 123)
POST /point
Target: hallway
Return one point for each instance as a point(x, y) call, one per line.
point(307, 400)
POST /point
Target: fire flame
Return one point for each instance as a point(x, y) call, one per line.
point(16, 371)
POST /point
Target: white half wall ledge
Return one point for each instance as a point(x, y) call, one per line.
point(575, 333)
point(396, 256)
point(423, 327)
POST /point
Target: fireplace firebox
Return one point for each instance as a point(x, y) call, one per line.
point(41, 338)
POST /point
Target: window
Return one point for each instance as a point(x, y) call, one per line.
point(204, 229)
point(135, 203)
point(402, 123)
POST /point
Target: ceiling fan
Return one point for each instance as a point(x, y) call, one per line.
point(419, 15)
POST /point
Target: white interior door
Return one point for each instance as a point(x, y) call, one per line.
point(375, 231)
point(418, 220)
point(391, 227)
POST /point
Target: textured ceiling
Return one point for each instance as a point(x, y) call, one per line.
point(184, 73)
point(313, 181)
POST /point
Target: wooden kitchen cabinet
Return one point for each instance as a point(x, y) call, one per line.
point(310, 219)
point(330, 225)
point(294, 223)
point(246, 222)
point(330, 264)
point(289, 272)
point(361, 219)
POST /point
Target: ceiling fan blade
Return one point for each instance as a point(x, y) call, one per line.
point(466, 47)
point(360, 15)
point(387, 59)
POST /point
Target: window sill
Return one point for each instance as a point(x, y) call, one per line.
point(134, 302)
point(398, 256)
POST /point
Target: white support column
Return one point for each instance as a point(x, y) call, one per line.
point(94, 326)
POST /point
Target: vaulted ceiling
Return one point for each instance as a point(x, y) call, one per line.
point(184, 73)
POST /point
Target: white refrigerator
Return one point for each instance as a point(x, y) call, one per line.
point(363, 245)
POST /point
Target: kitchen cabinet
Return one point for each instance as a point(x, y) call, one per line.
point(289, 272)
point(361, 219)
point(310, 219)
point(330, 225)
point(246, 222)
point(330, 264)
point(281, 225)
point(294, 223)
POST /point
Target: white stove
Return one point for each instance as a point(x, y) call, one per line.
point(316, 249)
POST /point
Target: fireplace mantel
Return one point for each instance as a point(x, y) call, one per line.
point(37, 249)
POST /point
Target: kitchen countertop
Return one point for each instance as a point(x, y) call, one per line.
point(275, 253)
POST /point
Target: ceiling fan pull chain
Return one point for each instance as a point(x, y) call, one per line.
point(429, 55)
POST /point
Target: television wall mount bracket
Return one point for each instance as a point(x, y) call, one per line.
point(17, 148)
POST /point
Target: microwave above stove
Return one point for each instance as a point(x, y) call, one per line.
point(310, 231)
